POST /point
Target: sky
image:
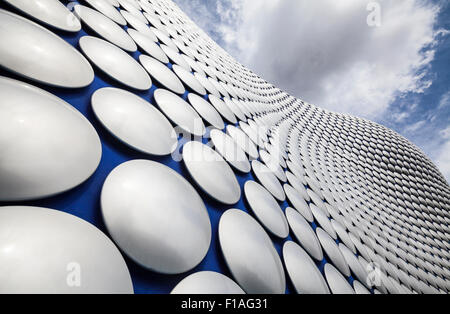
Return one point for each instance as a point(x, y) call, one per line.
point(387, 61)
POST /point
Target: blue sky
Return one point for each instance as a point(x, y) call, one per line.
point(325, 52)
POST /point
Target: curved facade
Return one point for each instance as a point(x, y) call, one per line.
point(356, 203)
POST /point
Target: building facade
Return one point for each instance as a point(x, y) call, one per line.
point(136, 155)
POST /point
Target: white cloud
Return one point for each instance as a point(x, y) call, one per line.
point(445, 101)
point(443, 160)
point(324, 52)
point(445, 134)
point(400, 117)
point(415, 127)
point(199, 13)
